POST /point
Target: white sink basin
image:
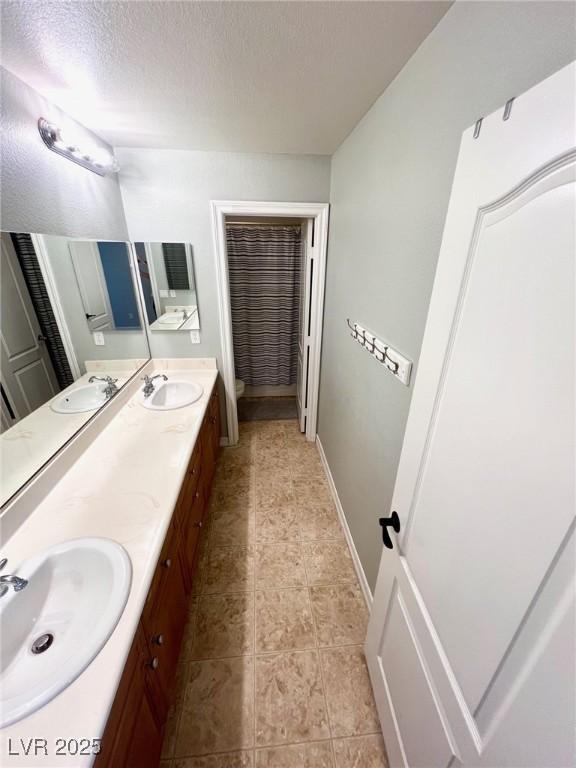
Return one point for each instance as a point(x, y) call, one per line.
point(172, 394)
point(86, 398)
point(75, 595)
point(171, 318)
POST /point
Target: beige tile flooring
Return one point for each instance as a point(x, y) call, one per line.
point(272, 673)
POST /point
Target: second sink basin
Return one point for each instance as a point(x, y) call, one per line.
point(52, 629)
point(80, 399)
point(171, 318)
point(172, 394)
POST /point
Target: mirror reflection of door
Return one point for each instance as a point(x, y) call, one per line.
point(28, 378)
point(105, 283)
point(92, 285)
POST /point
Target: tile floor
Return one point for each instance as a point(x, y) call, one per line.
point(266, 408)
point(272, 673)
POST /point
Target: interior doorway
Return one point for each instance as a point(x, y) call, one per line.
point(271, 265)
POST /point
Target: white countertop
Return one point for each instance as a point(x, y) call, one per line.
point(124, 487)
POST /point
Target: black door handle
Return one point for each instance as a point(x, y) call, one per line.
point(89, 317)
point(394, 522)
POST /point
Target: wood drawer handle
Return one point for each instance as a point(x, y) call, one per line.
point(158, 639)
point(212, 419)
point(167, 563)
point(153, 663)
point(197, 495)
point(198, 524)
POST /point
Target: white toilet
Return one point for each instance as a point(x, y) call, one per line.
point(240, 386)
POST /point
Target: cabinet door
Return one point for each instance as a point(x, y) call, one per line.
point(132, 738)
point(164, 629)
point(192, 524)
point(146, 744)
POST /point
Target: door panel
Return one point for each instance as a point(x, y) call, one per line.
point(509, 379)
point(27, 374)
point(471, 637)
point(416, 706)
point(92, 285)
point(34, 384)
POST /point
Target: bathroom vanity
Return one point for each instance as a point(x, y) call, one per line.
point(143, 480)
point(133, 735)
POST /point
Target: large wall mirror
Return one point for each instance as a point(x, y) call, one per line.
point(71, 334)
point(166, 273)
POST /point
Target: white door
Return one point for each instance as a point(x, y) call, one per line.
point(28, 379)
point(304, 321)
point(92, 284)
point(471, 641)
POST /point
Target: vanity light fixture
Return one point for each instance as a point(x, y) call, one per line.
point(92, 157)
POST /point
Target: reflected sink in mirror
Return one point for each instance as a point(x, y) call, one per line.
point(172, 394)
point(172, 318)
point(52, 629)
point(166, 274)
point(86, 398)
point(69, 308)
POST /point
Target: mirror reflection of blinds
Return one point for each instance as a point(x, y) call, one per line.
point(176, 266)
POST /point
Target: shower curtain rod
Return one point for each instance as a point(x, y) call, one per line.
point(260, 223)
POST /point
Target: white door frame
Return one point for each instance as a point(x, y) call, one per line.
point(316, 211)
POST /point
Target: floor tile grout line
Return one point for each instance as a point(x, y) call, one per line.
point(275, 745)
point(180, 708)
point(319, 660)
point(272, 652)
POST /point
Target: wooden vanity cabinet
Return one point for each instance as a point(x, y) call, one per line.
point(164, 621)
point(132, 737)
point(195, 494)
point(134, 732)
point(212, 431)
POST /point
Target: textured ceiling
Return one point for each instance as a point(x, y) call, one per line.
point(237, 76)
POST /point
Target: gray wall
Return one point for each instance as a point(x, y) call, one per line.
point(167, 196)
point(391, 181)
point(41, 191)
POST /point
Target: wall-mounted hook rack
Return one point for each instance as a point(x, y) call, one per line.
point(391, 359)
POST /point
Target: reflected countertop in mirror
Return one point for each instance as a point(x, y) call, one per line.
point(69, 309)
point(168, 285)
point(32, 441)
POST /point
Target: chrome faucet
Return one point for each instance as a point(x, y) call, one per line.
point(110, 389)
point(16, 582)
point(149, 385)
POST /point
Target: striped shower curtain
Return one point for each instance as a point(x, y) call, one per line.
point(264, 262)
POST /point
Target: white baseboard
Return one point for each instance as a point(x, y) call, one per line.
point(366, 591)
point(224, 442)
